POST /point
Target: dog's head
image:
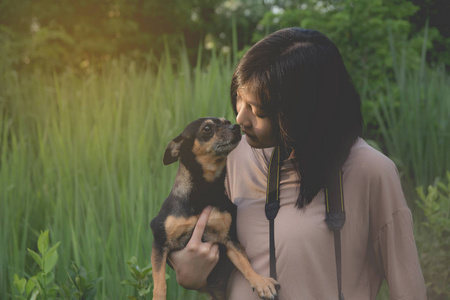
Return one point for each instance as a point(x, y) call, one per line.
point(205, 137)
point(208, 141)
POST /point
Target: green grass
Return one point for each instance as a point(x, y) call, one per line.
point(82, 157)
point(414, 118)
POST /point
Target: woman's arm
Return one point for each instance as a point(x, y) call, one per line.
point(393, 238)
point(194, 263)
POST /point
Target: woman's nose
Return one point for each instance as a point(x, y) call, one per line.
point(242, 118)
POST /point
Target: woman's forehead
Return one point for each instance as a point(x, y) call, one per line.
point(248, 92)
point(249, 89)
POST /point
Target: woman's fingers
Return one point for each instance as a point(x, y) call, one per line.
point(194, 263)
point(200, 226)
point(214, 253)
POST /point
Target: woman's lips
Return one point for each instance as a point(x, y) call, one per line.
point(253, 138)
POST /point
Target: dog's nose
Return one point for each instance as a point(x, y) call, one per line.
point(236, 128)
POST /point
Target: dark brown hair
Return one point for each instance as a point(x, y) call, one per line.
point(306, 91)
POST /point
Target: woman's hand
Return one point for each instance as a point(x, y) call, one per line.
point(194, 263)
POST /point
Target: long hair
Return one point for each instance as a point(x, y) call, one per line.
point(307, 93)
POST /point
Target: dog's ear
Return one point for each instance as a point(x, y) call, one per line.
point(173, 150)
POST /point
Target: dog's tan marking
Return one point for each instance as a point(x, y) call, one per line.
point(177, 226)
point(158, 260)
point(212, 165)
point(204, 148)
point(219, 221)
point(183, 182)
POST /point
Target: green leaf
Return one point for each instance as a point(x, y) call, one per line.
point(135, 272)
point(48, 279)
point(133, 284)
point(51, 258)
point(71, 273)
point(143, 292)
point(146, 270)
point(53, 249)
point(132, 261)
point(37, 284)
point(34, 295)
point(37, 258)
point(65, 290)
point(52, 290)
point(20, 284)
point(82, 272)
point(43, 242)
point(90, 293)
point(81, 283)
point(30, 287)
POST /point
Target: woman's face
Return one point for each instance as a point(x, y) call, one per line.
point(254, 122)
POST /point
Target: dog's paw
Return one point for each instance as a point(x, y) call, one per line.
point(265, 287)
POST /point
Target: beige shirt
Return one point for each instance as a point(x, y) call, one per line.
point(377, 239)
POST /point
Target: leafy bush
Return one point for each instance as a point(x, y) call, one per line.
point(141, 282)
point(433, 239)
point(42, 285)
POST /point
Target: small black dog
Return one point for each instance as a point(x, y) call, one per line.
point(202, 149)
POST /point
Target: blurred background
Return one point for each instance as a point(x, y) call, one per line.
point(91, 92)
point(82, 35)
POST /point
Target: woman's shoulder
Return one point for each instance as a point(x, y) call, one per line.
point(368, 161)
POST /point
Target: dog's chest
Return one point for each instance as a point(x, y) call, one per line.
point(179, 229)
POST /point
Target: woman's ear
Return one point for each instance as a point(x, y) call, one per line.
point(172, 152)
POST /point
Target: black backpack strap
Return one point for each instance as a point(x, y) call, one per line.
point(273, 203)
point(335, 218)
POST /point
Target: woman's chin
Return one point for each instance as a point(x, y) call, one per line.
point(255, 143)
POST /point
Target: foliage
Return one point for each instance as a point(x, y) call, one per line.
point(82, 155)
point(43, 286)
point(141, 282)
point(55, 35)
point(359, 29)
point(84, 34)
point(414, 123)
point(435, 13)
point(434, 238)
point(78, 286)
point(141, 279)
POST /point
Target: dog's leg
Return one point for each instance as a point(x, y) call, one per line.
point(265, 287)
point(159, 273)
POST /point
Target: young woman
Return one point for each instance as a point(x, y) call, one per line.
point(292, 90)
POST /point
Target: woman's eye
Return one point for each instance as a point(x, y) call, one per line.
point(259, 114)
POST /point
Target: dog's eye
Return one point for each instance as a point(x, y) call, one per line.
point(207, 128)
